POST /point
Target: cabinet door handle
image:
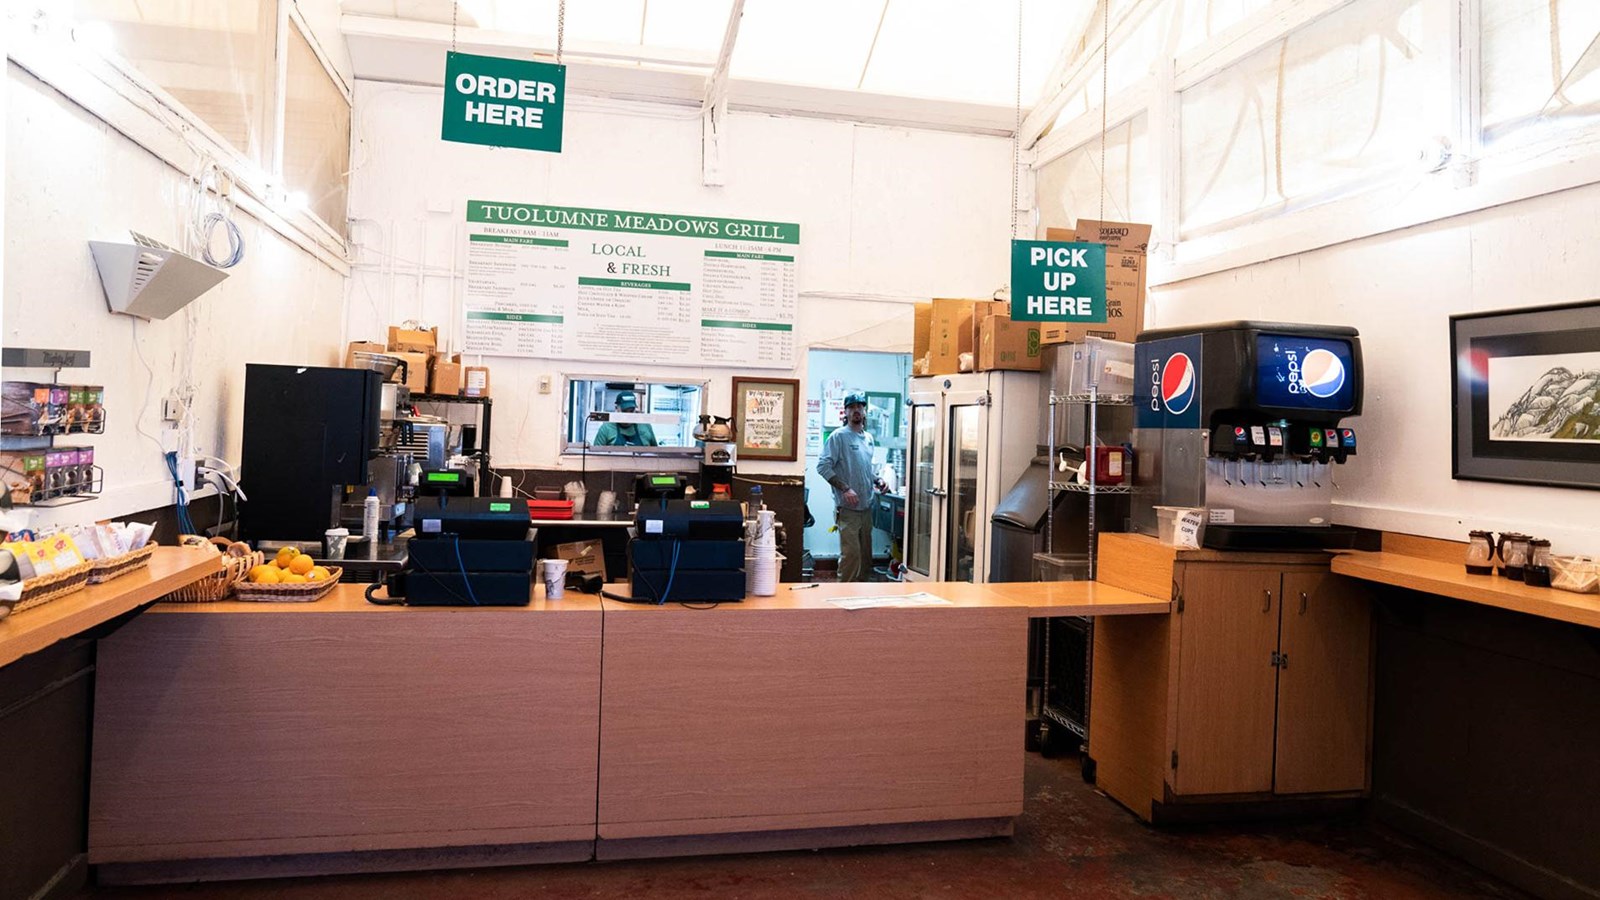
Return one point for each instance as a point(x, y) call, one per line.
point(1266, 605)
point(1303, 603)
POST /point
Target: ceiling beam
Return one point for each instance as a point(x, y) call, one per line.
point(1078, 68)
point(527, 45)
point(717, 83)
point(397, 52)
point(714, 109)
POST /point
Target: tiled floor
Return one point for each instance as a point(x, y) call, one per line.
point(1071, 841)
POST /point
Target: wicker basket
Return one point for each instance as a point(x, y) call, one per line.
point(53, 586)
point(103, 570)
point(288, 593)
point(237, 561)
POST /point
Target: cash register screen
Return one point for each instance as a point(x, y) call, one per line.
point(1304, 373)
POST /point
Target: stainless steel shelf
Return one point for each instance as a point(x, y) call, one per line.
point(1103, 399)
point(1076, 488)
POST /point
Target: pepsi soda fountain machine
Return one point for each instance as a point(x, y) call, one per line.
point(1243, 419)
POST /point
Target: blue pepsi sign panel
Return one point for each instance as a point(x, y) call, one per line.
point(1167, 393)
point(1304, 373)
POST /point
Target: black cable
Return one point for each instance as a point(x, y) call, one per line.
point(392, 601)
point(422, 570)
point(471, 594)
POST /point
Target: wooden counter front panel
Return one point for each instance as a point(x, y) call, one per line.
point(1227, 685)
point(248, 734)
point(723, 720)
point(1324, 687)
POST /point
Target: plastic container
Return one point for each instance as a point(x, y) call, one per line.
point(1181, 526)
point(1108, 365)
point(1060, 567)
point(1579, 574)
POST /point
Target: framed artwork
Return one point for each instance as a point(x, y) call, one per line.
point(1527, 395)
point(766, 417)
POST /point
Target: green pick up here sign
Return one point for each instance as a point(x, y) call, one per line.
point(1053, 281)
point(503, 102)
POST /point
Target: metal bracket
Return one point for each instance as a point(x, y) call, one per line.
point(713, 125)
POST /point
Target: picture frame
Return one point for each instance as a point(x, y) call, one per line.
point(766, 418)
point(1526, 395)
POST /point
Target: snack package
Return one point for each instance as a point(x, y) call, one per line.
point(61, 550)
point(83, 536)
point(139, 534)
point(31, 559)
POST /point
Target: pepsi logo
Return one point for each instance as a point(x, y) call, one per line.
point(1322, 373)
point(1177, 383)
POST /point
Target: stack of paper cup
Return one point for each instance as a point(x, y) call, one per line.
point(761, 557)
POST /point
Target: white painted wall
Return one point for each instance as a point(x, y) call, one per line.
point(887, 215)
point(1399, 289)
point(69, 179)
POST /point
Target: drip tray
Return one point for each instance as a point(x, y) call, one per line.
point(1279, 537)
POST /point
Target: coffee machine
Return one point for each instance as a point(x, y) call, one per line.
point(718, 456)
point(308, 432)
point(1244, 420)
point(317, 439)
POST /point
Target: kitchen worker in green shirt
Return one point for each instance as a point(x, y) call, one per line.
point(625, 434)
point(846, 464)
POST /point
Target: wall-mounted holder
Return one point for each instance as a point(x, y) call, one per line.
point(35, 471)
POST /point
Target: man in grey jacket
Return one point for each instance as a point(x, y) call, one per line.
point(846, 464)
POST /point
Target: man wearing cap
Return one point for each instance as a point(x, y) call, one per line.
point(625, 434)
point(846, 464)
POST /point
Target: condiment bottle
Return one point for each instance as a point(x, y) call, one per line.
point(1480, 553)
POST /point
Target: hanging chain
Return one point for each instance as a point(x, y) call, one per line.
point(561, 29)
point(1016, 133)
point(455, 9)
point(1105, 79)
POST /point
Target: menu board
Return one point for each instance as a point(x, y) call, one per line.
point(614, 285)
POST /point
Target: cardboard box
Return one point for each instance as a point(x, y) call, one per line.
point(475, 381)
point(444, 375)
point(921, 330)
point(361, 347)
point(1005, 344)
point(583, 557)
point(416, 370)
point(1126, 243)
point(413, 341)
point(950, 335)
point(983, 311)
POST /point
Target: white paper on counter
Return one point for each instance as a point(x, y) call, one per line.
point(920, 598)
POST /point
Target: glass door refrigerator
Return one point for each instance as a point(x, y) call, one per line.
point(972, 437)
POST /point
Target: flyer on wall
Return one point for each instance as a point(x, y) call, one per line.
point(614, 285)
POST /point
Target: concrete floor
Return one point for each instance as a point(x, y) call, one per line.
point(1070, 842)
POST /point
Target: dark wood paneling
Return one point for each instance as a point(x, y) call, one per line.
point(1486, 727)
point(44, 741)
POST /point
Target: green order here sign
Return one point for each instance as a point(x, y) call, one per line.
point(503, 102)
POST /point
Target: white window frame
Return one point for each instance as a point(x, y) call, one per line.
point(115, 91)
point(1472, 180)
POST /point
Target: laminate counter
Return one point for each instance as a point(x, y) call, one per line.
point(1450, 579)
point(169, 568)
point(245, 739)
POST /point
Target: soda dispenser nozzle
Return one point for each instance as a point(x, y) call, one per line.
point(1344, 439)
point(1231, 442)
